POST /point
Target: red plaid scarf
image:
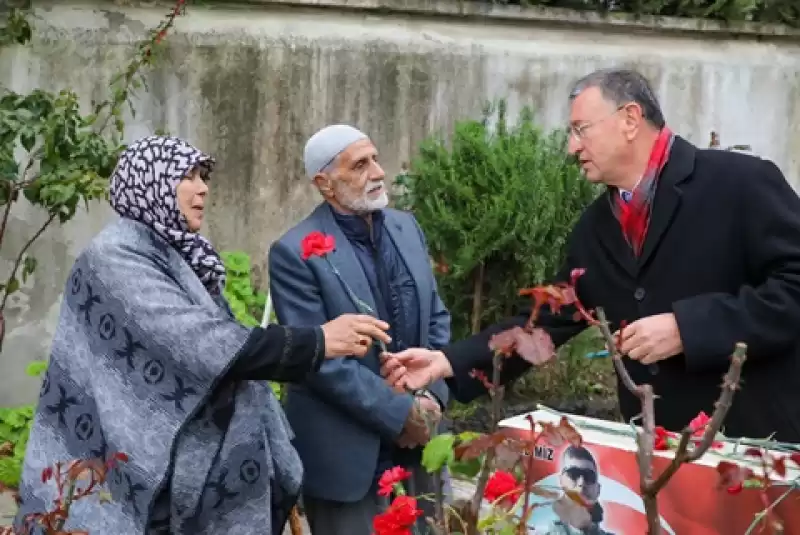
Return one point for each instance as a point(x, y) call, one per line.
point(634, 215)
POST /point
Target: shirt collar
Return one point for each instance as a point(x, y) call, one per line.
point(356, 228)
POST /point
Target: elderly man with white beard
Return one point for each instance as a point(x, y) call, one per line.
point(350, 426)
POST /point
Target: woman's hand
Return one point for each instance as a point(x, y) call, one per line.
point(353, 334)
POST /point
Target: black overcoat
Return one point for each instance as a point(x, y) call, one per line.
point(723, 254)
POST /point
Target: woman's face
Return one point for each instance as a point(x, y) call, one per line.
point(191, 194)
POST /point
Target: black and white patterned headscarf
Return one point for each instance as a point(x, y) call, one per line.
point(144, 187)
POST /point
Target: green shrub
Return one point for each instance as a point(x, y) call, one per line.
point(15, 427)
point(496, 204)
point(246, 302)
point(732, 11)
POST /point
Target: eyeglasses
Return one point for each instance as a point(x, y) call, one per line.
point(579, 131)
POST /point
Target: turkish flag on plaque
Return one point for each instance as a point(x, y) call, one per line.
point(605, 474)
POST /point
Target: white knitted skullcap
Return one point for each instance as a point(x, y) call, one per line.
point(327, 144)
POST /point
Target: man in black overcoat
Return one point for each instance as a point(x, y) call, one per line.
point(694, 249)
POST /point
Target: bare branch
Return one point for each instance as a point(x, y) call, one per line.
point(611, 345)
point(497, 402)
point(646, 437)
point(730, 384)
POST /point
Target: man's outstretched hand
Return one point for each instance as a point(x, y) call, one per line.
point(414, 368)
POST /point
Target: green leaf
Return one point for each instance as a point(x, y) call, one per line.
point(487, 522)
point(28, 267)
point(10, 471)
point(468, 436)
point(508, 529)
point(27, 140)
point(8, 166)
point(277, 389)
point(438, 452)
point(36, 368)
point(13, 286)
point(6, 431)
point(469, 468)
point(16, 419)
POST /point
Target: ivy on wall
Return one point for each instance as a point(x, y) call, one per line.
point(767, 11)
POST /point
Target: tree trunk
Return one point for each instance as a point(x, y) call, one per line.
point(477, 298)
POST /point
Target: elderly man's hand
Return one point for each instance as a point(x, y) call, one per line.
point(415, 368)
point(422, 421)
point(651, 339)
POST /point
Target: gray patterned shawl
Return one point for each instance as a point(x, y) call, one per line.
point(135, 367)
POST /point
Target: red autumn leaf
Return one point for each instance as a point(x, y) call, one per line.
point(47, 474)
point(754, 452)
point(557, 434)
point(535, 347)
point(779, 466)
point(554, 296)
point(508, 454)
point(576, 274)
point(474, 448)
point(735, 489)
point(115, 458)
point(731, 474)
point(86, 468)
point(316, 244)
point(481, 376)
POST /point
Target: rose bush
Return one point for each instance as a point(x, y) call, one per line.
point(507, 490)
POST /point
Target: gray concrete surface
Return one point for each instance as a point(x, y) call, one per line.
point(250, 83)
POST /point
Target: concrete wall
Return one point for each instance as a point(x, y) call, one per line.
point(250, 83)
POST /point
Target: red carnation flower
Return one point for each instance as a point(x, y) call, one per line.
point(399, 518)
point(317, 244)
point(390, 478)
point(699, 423)
point(502, 486)
point(662, 439)
point(698, 427)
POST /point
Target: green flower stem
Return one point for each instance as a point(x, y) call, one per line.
point(364, 308)
point(757, 520)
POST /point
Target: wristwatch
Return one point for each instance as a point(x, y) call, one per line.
point(424, 392)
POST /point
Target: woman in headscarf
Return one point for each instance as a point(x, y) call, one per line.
point(148, 360)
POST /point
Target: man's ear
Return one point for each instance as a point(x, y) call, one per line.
point(634, 118)
point(324, 184)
